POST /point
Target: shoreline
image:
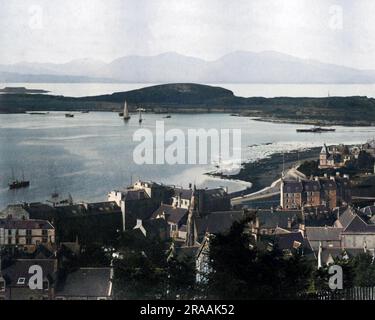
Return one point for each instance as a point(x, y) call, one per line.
point(263, 172)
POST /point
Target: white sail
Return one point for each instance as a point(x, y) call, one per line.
point(126, 111)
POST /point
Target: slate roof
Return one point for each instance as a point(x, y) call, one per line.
point(271, 219)
point(20, 269)
point(311, 185)
point(172, 214)
point(218, 222)
point(39, 210)
point(328, 184)
point(87, 282)
point(323, 233)
point(184, 193)
point(10, 223)
point(293, 186)
point(345, 218)
point(103, 207)
point(153, 227)
point(131, 195)
point(357, 225)
point(291, 240)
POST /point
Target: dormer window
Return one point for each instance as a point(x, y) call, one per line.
point(21, 281)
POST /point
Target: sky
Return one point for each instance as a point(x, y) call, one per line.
point(339, 32)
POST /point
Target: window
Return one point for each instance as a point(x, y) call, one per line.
point(28, 240)
point(45, 232)
point(28, 232)
point(2, 285)
point(9, 232)
point(21, 281)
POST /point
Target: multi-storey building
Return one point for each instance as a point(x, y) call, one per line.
point(26, 233)
point(324, 191)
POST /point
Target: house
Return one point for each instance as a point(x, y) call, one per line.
point(330, 192)
point(176, 218)
point(334, 157)
point(26, 233)
point(15, 211)
point(181, 197)
point(267, 221)
point(14, 280)
point(153, 229)
point(207, 200)
point(87, 284)
point(327, 237)
point(139, 201)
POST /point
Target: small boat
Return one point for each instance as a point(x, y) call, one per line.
point(69, 115)
point(38, 113)
point(140, 115)
point(167, 117)
point(316, 130)
point(126, 112)
point(18, 184)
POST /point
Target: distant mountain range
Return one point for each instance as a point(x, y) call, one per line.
point(236, 67)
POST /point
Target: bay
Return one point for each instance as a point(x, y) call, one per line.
point(92, 154)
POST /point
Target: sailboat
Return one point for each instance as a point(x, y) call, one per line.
point(126, 111)
point(140, 115)
point(18, 184)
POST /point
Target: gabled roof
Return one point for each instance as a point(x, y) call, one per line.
point(291, 240)
point(272, 219)
point(172, 214)
point(20, 269)
point(218, 222)
point(357, 225)
point(17, 211)
point(87, 282)
point(323, 233)
point(345, 218)
point(324, 149)
point(10, 223)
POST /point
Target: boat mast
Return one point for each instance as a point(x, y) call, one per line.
point(126, 112)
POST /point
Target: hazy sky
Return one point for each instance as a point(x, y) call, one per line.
point(341, 32)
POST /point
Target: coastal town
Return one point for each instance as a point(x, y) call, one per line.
point(158, 241)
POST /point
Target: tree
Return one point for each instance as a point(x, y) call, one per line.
point(240, 271)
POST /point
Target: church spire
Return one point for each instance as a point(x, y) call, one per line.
point(190, 232)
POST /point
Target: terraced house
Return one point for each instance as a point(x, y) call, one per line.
point(324, 191)
point(26, 233)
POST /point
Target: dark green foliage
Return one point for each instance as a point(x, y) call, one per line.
point(143, 271)
point(242, 272)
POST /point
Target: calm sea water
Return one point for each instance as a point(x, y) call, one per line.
point(91, 154)
point(243, 90)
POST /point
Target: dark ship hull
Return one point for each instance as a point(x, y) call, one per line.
point(316, 130)
point(19, 184)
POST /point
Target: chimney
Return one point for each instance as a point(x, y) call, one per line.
point(337, 174)
point(346, 176)
point(325, 175)
point(316, 178)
